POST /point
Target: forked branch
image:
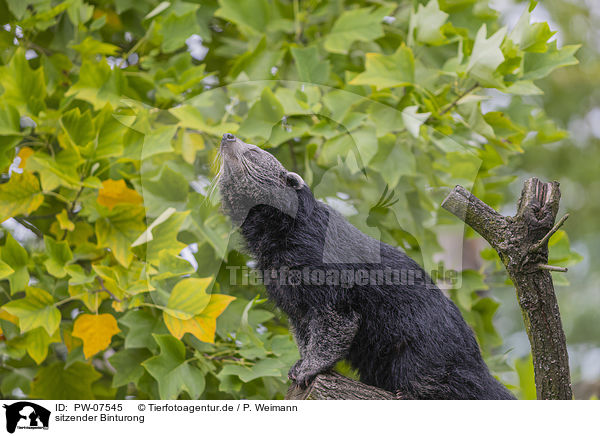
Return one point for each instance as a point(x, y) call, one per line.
point(521, 241)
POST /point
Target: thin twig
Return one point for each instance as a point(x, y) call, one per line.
point(72, 209)
point(455, 102)
point(43, 50)
point(29, 226)
point(41, 217)
point(552, 231)
point(552, 268)
point(113, 296)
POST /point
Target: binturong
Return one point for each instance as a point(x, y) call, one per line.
point(357, 299)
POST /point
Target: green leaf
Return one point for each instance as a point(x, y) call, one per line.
point(470, 282)
point(486, 57)
point(9, 120)
point(390, 71)
point(78, 126)
point(257, 63)
point(340, 103)
point(37, 343)
point(118, 230)
point(19, 378)
point(483, 312)
point(176, 29)
point(55, 382)
point(172, 372)
point(58, 170)
point(161, 7)
point(523, 87)
point(140, 325)
point(37, 309)
point(98, 84)
point(111, 133)
point(524, 369)
point(90, 46)
point(163, 237)
point(167, 189)
point(190, 117)
point(59, 254)
point(531, 37)
point(412, 120)
point(263, 116)
point(16, 258)
point(171, 266)
point(394, 159)
point(158, 141)
point(210, 227)
point(45, 17)
point(560, 252)
point(425, 24)
point(355, 25)
point(252, 16)
point(80, 13)
point(20, 196)
point(24, 87)
point(17, 8)
point(188, 298)
point(471, 112)
point(5, 270)
point(310, 68)
point(263, 368)
point(147, 236)
point(78, 275)
point(128, 364)
point(361, 143)
point(539, 65)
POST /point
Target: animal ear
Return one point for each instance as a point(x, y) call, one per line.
point(293, 180)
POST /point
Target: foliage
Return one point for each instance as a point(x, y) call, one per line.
point(108, 129)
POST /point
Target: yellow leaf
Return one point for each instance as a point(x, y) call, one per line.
point(24, 154)
point(70, 342)
point(204, 325)
point(8, 317)
point(115, 192)
point(189, 298)
point(123, 305)
point(190, 143)
point(96, 332)
point(112, 19)
point(64, 222)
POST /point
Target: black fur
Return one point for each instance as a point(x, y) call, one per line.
point(407, 338)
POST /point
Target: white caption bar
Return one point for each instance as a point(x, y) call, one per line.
point(262, 418)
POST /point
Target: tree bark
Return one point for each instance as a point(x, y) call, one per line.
point(333, 386)
point(522, 243)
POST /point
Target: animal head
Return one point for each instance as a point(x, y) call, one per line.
point(250, 176)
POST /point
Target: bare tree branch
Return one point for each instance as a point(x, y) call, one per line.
point(521, 241)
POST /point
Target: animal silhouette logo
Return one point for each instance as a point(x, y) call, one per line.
point(26, 415)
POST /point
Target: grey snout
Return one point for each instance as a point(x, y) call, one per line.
point(230, 147)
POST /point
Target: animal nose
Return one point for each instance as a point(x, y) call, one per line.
point(228, 137)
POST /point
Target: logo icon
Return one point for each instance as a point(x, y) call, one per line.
point(26, 415)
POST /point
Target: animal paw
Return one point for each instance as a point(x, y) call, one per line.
point(301, 374)
point(293, 372)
